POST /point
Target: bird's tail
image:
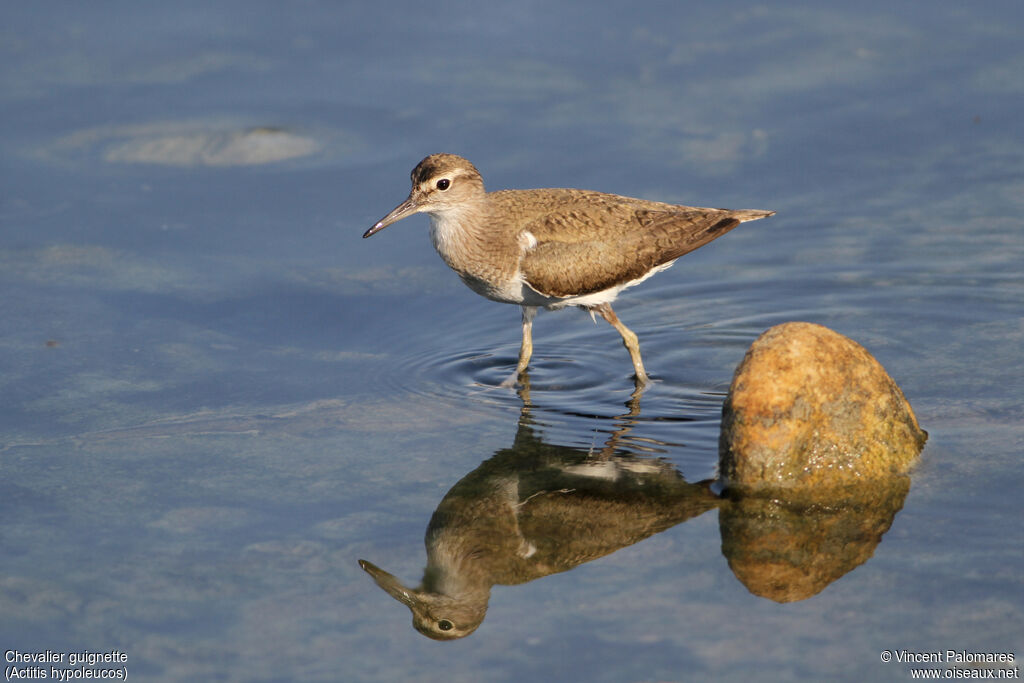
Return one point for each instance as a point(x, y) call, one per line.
point(744, 215)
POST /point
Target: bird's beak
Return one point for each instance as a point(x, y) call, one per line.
point(406, 208)
point(391, 585)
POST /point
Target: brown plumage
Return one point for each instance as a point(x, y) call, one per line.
point(553, 248)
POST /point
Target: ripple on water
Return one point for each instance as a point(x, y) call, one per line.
point(476, 373)
point(581, 394)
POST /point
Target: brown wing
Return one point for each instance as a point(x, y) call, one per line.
point(592, 248)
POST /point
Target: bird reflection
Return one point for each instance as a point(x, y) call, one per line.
point(537, 509)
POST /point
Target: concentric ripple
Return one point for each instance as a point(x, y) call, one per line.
point(580, 391)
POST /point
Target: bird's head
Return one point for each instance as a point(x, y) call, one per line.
point(435, 615)
point(441, 183)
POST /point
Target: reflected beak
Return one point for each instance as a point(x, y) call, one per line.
point(406, 208)
point(391, 585)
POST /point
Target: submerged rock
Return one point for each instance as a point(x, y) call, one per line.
point(202, 142)
point(244, 147)
point(810, 409)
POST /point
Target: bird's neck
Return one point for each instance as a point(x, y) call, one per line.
point(456, 231)
point(473, 242)
point(460, 564)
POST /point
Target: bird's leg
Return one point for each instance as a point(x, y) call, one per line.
point(629, 340)
point(526, 349)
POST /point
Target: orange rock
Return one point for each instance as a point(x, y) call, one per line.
point(811, 409)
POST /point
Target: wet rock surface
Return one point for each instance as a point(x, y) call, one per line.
point(809, 409)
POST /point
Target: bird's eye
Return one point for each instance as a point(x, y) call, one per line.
point(444, 624)
point(443, 184)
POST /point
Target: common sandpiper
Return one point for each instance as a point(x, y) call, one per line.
point(552, 248)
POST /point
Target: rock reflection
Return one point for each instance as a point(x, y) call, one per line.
point(532, 510)
point(791, 548)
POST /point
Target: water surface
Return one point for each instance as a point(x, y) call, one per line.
point(217, 397)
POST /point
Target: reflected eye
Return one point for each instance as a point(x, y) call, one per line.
point(444, 624)
point(443, 184)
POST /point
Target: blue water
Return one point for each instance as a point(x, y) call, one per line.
point(217, 397)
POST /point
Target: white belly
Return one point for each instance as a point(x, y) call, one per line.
point(605, 296)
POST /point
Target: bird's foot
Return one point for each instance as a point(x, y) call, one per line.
point(641, 382)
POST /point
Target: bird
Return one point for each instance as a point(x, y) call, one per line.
point(553, 247)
